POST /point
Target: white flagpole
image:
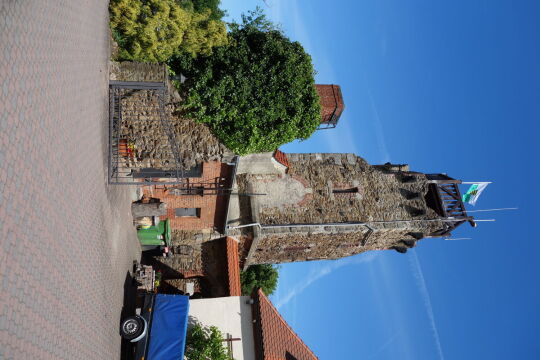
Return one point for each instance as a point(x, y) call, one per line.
point(500, 209)
point(477, 182)
point(450, 239)
point(477, 220)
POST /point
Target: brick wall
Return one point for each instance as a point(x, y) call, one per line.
point(331, 101)
point(212, 207)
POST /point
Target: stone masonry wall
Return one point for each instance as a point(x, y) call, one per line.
point(333, 242)
point(195, 141)
point(381, 196)
point(390, 201)
point(135, 71)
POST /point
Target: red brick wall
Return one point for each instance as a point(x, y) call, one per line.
point(331, 99)
point(212, 206)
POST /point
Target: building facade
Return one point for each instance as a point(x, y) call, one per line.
point(252, 327)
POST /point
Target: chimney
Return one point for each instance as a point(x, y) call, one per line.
point(331, 105)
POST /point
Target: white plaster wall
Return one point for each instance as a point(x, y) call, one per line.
point(230, 315)
point(279, 191)
point(260, 164)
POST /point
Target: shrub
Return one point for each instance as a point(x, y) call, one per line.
point(155, 30)
point(205, 343)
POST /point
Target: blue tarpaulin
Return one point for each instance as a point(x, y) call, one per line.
point(169, 327)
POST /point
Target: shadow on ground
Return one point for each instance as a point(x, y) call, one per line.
point(127, 351)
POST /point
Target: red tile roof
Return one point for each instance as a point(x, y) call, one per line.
point(281, 158)
point(233, 267)
point(274, 338)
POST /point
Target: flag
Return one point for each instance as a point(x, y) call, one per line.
point(474, 192)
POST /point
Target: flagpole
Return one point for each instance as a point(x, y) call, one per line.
point(500, 209)
point(477, 220)
point(454, 239)
point(477, 182)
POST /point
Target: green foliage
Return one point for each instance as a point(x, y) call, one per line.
point(256, 93)
point(155, 30)
point(205, 343)
point(263, 276)
point(212, 5)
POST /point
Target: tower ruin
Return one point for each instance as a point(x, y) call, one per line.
point(300, 207)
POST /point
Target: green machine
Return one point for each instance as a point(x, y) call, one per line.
point(156, 236)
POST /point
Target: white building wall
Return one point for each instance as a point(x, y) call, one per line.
point(260, 164)
point(231, 315)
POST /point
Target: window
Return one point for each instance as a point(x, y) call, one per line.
point(345, 191)
point(195, 171)
point(185, 212)
point(197, 190)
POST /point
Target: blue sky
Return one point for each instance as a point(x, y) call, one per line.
point(446, 87)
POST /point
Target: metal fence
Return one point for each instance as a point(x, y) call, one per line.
point(142, 143)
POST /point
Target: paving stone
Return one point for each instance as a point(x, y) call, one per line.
point(66, 239)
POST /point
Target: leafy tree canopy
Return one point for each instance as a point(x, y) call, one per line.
point(256, 93)
point(263, 276)
point(203, 5)
point(205, 343)
point(155, 30)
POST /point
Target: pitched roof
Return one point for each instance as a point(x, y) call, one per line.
point(274, 338)
point(233, 267)
point(281, 158)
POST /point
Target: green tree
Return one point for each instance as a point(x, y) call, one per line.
point(205, 343)
point(203, 5)
point(264, 276)
point(256, 93)
point(155, 30)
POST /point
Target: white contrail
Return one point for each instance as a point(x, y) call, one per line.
point(385, 345)
point(325, 269)
point(379, 132)
point(421, 282)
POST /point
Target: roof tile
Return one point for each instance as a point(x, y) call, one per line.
point(275, 339)
point(281, 158)
point(233, 267)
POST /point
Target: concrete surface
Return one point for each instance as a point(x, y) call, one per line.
point(66, 240)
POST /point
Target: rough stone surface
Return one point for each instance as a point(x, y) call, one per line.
point(154, 140)
point(301, 244)
point(66, 237)
point(337, 189)
point(379, 195)
point(134, 71)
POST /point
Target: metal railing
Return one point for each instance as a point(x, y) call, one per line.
point(143, 149)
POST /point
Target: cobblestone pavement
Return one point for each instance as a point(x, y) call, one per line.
point(66, 240)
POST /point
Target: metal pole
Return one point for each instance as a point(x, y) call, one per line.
point(500, 209)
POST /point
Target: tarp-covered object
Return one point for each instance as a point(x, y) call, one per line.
point(169, 327)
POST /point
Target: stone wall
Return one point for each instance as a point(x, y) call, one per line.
point(278, 245)
point(341, 189)
point(143, 129)
point(135, 71)
point(381, 195)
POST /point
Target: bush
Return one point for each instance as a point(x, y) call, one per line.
point(205, 343)
point(256, 93)
point(155, 30)
point(203, 5)
point(263, 276)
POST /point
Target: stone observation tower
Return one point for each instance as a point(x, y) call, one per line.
point(299, 207)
